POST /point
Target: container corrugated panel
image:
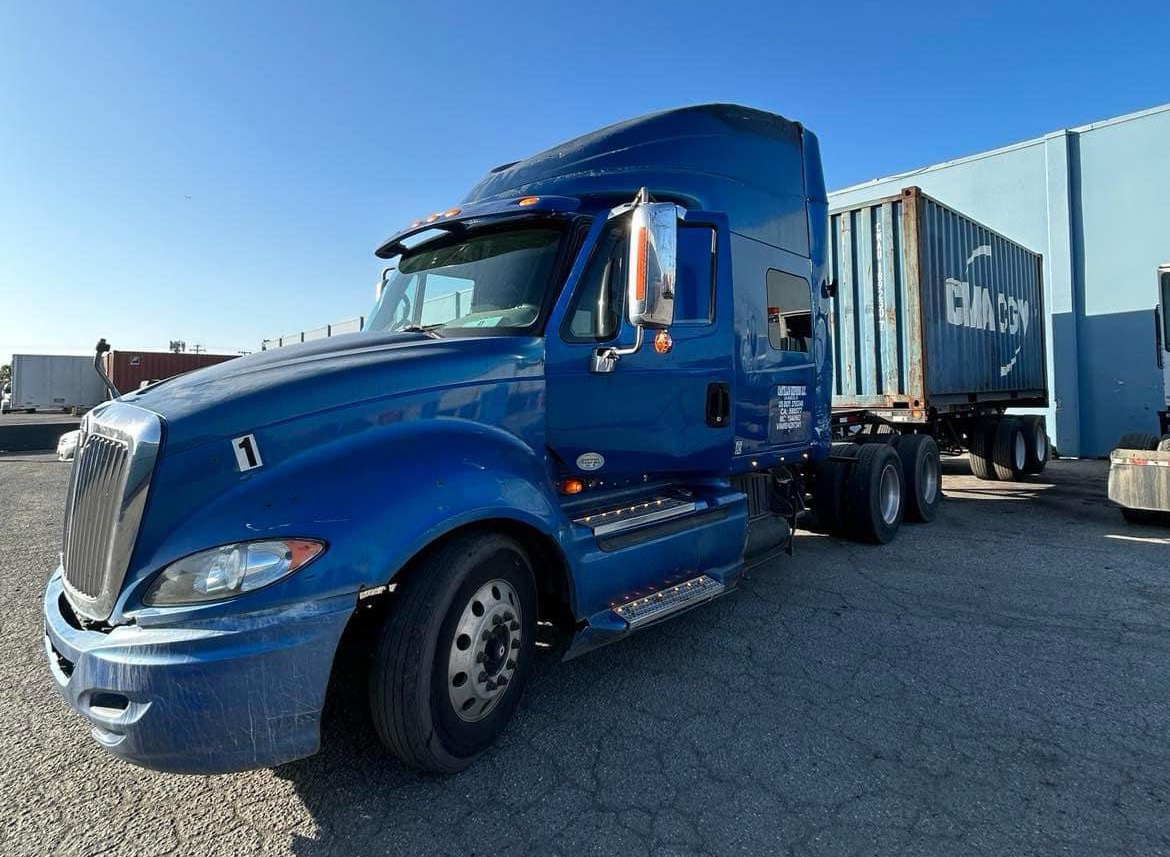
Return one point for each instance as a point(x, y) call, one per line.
point(932, 310)
point(130, 369)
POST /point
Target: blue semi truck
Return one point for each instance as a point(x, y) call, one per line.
point(588, 397)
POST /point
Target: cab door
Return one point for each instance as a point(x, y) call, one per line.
point(664, 410)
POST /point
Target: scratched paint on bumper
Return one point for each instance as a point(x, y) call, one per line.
point(210, 697)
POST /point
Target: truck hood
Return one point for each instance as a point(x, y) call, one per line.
point(242, 395)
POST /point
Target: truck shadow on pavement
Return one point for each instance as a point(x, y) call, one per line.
point(934, 692)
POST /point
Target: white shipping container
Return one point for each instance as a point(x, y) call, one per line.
point(48, 381)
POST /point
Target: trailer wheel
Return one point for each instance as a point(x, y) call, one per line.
point(1010, 450)
point(980, 451)
point(873, 494)
point(921, 476)
point(454, 652)
point(1038, 449)
point(1138, 440)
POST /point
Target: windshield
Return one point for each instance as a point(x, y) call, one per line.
point(493, 280)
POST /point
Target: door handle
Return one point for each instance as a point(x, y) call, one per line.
point(718, 404)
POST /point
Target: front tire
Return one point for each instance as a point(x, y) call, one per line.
point(470, 603)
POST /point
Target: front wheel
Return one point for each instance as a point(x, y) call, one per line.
point(454, 652)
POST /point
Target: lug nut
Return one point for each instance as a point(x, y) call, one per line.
point(508, 615)
point(482, 677)
point(515, 644)
point(480, 657)
point(496, 620)
point(515, 626)
point(491, 685)
point(485, 635)
point(511, 664)
point(503, 680)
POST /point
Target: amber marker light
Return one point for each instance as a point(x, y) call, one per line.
point(528, 200)
point(451, 212)
point(572, 486)
point(662, 342)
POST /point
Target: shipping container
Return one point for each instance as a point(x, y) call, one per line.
point(933, 312)
point(51, 381)
point(129, 370)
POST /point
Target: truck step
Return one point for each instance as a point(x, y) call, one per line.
point(651, 608)
point(637, 513)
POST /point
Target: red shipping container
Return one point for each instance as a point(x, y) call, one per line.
point(129, 370)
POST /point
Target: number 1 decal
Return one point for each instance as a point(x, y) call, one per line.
point(247, 453)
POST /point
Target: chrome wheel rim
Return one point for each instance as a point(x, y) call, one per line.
point(930, 479)
point(484, 650)
point(890, 494)
point(1020, 449)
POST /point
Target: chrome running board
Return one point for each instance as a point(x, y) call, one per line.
point(651, 608)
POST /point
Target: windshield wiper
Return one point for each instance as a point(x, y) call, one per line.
point(428, 329)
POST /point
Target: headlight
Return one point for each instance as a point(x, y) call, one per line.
point(229, 570)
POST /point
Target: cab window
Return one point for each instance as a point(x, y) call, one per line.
point(789, 311)
point(596, 311)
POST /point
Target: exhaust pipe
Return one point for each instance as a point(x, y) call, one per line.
point(102, 348)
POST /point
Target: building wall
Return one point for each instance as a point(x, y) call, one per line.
point(1092, 200)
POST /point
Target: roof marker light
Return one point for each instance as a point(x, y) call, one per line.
point(451, 212)
point(528, 200)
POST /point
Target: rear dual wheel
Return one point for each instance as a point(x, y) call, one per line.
point(999, 449)
point(873, 495)
point(921, 476)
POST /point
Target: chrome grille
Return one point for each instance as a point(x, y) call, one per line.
point(107, 493)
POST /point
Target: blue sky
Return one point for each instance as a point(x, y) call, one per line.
point(222, 172)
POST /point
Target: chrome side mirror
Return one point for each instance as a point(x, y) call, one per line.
point(653, 263)
point(652, 268)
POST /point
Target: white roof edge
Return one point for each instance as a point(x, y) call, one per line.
point(1012, 147)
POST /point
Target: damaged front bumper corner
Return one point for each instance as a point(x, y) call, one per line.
point(206, 697)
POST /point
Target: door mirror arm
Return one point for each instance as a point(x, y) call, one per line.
point(605, 359)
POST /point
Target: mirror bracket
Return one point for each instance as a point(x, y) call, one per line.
point(605, 359)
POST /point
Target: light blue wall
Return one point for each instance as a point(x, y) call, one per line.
point(1094, 202)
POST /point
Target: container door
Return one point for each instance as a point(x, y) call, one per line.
point(663, 411)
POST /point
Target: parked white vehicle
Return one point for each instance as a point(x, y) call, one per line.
point(67, 445)
point(6, 400)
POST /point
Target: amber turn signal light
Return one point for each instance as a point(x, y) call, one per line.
point(572, 486)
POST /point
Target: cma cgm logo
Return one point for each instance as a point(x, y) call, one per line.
point(971, 305)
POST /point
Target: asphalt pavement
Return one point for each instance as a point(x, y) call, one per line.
point(997, 682)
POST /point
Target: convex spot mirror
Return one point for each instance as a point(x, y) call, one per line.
point(653, 264)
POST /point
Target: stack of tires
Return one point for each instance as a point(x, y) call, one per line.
point(1008, 448)
point(865, 489)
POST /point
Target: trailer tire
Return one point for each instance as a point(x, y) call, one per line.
point(980, 451)
point(1010, 451)
point(443, 613)
point(921, 476)
point(1138, 440)
point(1039, 450)
point(874, 494)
